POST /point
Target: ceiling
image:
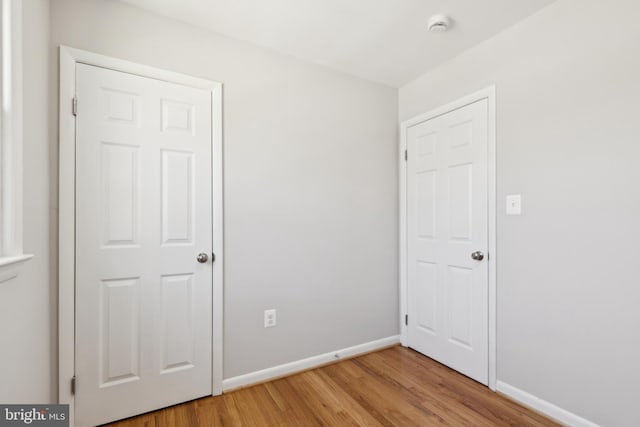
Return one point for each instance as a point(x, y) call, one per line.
point(380, 40)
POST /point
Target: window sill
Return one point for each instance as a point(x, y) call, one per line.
point(10, 266)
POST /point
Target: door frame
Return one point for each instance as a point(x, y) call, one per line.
point(489, 94)
point(69, 57)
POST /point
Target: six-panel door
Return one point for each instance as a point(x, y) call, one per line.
point(447, 220)
point(143, 213)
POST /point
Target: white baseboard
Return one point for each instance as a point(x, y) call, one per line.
point(304, 364)
point(547, 408)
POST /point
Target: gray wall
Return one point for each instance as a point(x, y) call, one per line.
point(310, 183)
point(27, 311)
point(568, 97)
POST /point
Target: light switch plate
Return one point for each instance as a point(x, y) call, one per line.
point(514, 204)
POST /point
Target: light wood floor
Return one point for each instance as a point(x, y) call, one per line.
point(392, 387)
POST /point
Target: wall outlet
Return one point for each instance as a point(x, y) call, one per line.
point(270, 318)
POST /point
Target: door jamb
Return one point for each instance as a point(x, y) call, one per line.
point(489, 94)
point(69, 57)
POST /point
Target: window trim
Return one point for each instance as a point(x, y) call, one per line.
point(11, 168)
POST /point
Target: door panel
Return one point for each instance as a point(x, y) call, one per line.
point(143, 213)
point(177, 197)
point(120, 178)
point(426, 291)
point(119, 331)
point(177, 322)
point(447, 220)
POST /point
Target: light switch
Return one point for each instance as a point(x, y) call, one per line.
point(514, 204)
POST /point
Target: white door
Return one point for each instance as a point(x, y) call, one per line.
point(447, 221)
point(143, 214)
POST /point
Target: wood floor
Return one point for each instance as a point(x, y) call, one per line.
point(392, 387)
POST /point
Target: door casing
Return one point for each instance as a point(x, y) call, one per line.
point(69, 57)
point(489, 94)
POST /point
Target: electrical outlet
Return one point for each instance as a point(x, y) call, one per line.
point(270, 318)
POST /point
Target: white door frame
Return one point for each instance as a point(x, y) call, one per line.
point(489, 94)
point(69, 57)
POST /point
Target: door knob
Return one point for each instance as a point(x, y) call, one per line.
point(202, 258)
point(477, 255)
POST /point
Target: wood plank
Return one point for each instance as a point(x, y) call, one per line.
point(392, 387)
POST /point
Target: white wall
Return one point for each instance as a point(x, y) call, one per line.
point(310, 183)
point(27, 314)
point(568, 96)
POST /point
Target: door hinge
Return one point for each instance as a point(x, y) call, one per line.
point(73, 385)
point(74, 106)
point(406, 155)
point(406, 319)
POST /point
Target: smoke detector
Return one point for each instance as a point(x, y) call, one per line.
point(439, 23)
